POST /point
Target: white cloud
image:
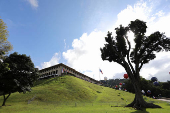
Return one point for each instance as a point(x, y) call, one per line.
point(86, 56)
point(160, 13)
point(139, 11)
point(34, 3)
point(158, 67)
point(54, 60)
point(161, 24)
point(155, 22)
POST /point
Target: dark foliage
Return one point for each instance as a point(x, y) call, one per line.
point(19, 77)
point(112, 82)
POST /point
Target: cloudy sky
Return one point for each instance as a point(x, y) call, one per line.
point(72, 32)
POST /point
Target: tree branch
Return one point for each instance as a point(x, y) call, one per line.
point(144, 49)
point(119, 56)
point(128, 55)
point(121, 64)
point(148, 55)
point(124, 64)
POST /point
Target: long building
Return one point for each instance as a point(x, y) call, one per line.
point(62, 69)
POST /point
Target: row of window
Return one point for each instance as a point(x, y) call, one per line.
point(49, 69)
point(50, 73)
point(66, 69)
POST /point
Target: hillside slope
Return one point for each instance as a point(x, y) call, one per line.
point(69, 89)
point(68, 94)
point(72, 89)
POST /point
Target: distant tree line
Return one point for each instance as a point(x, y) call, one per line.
point(163, 88)
point(112, 82)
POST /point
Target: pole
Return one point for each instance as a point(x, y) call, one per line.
point(99, 74)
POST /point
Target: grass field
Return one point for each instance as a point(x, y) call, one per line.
point(69, 94)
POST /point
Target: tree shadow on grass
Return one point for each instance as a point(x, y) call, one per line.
point(4, 106)
point(140, 111)
point(137, 111)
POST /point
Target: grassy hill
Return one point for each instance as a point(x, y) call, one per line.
point(68, 94)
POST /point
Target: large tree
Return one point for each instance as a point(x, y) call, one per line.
point(118, 50)
point(19, 77)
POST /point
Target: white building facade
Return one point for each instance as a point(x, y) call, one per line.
point(62, 69)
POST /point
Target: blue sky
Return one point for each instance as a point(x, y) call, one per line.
point(72, 31)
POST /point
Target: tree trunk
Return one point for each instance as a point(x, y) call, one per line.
point(3, 104)
point(139, 103)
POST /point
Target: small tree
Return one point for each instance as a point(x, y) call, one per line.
point(20, 77)
point(5, 46)
point(116, 50)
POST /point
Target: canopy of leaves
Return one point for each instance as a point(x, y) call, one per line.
point(21, 75)
point(3, 66)
point(5, 46)
point(145, 46)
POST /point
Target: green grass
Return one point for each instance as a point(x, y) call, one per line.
point(69, 94)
